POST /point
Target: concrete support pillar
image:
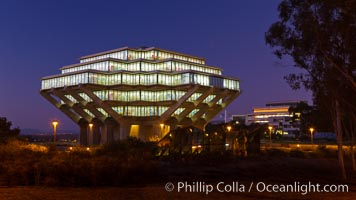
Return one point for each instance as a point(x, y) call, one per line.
point(90, 135)
point(124, 131)
point(83, 137)
point(148, 132)
point(104, 134)
point(173, 127)
point(110, 132)
point(115, 132)
point(96, 134)
point(110, 126)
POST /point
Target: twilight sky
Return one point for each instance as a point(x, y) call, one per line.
point(38, 37)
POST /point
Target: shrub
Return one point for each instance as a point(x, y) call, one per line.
point(322, 151)
point(131, 146)
point(297, 153)
point(130, 162)
point(276, 153)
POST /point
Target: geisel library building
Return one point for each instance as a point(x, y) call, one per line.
point(144, 93)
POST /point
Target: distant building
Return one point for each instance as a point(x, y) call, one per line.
point(143, 93)
point(277, 115)
point(241, 119)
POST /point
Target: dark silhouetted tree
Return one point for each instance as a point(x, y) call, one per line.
point(302, 116)
point(6, 132)
point(306, 116)
point(320, 36)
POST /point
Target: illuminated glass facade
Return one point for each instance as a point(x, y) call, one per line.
point(277, 115)
point(146, 88)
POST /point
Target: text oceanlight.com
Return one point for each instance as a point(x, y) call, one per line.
point(236, 187)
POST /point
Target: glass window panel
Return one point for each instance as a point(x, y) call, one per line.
point(148, 79)
point(85, 97)
point(178, 111)
point(164, 79)
point(185, 78)
point(191, 114)
point(102, 111)
point(89, 113)
point(161, 110)
point(119, 110)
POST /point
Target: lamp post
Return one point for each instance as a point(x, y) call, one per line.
point(228, 130)
point(270, 135)
point(311, 135)
point(54, 124)
point(90, 138)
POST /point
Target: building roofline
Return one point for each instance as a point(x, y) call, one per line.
point(139, 49)
point(103, 52)
point(271, 107)
point(287, 101)
point(173, 52)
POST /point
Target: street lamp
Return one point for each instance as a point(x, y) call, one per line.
point(228, 130)
point(54, 124)
point(311, 135)
point(270, 135)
